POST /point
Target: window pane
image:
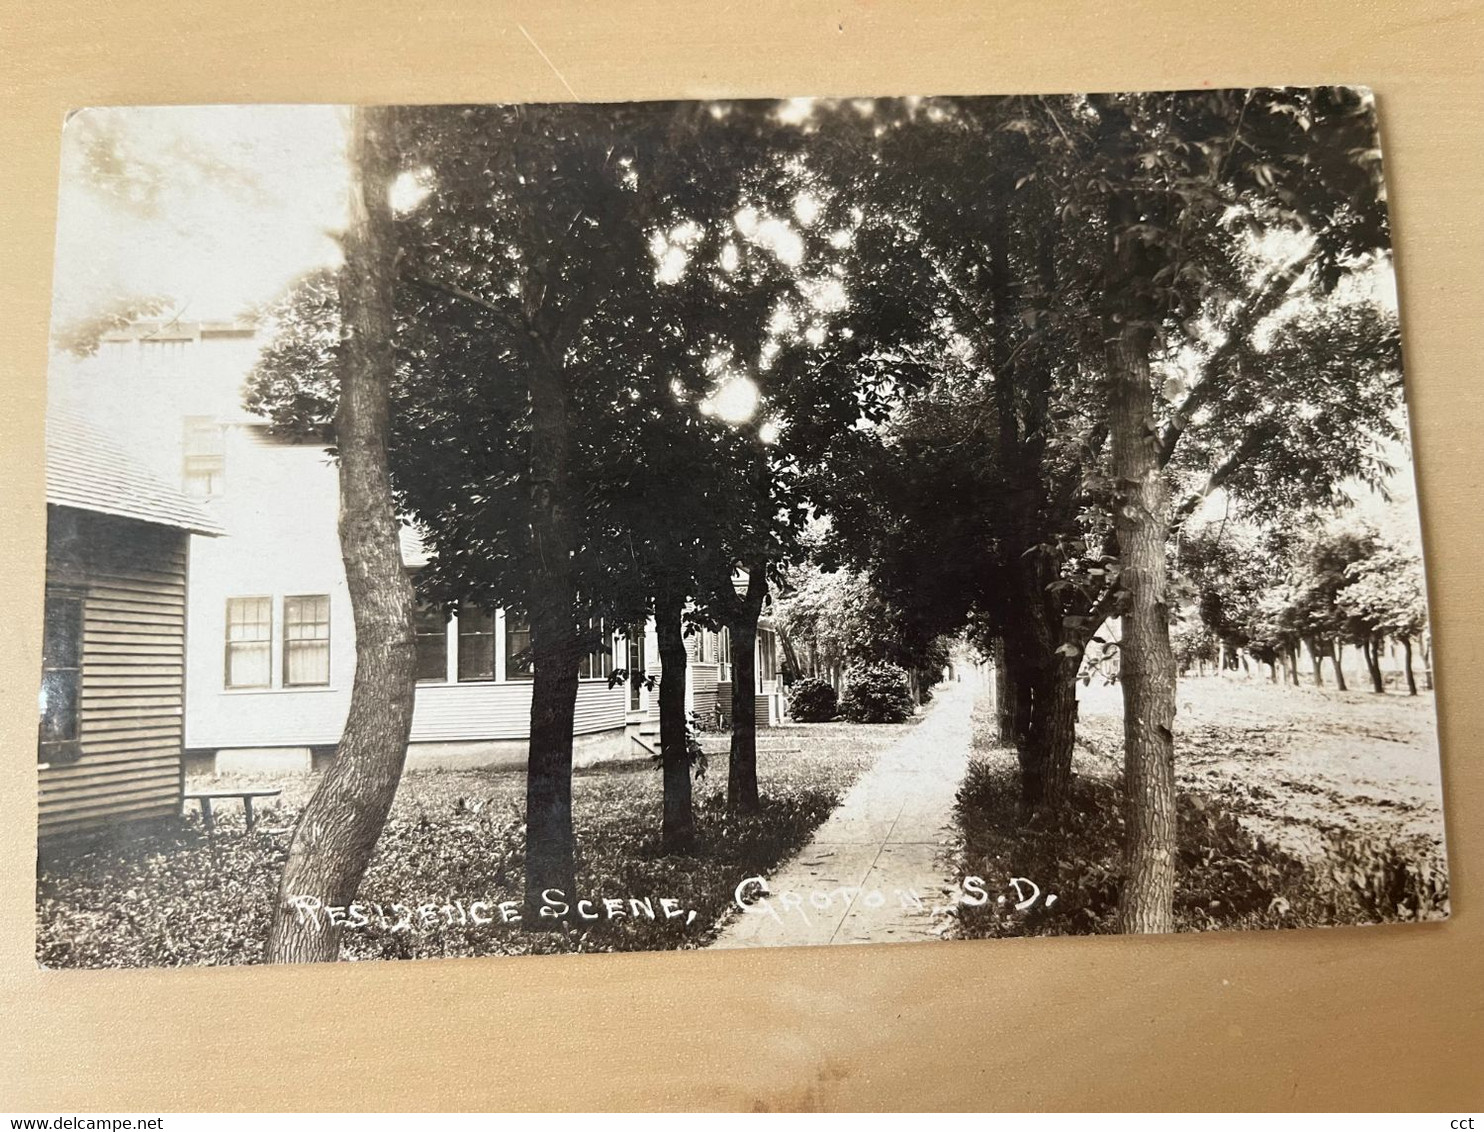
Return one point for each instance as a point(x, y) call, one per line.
point(249, 642)
point(431, 626)
point(599, 662)
point(61, 643)
point(248, 665)
point(518, 664)
point(306, 662)
point(204, 456)
point(250, 619)
point(476, 645)
point(306, 618)
point(306, 644)
point(60, 695)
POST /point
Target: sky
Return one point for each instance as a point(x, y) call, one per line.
point(216, 207)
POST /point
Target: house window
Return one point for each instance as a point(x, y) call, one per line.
point(61, 677)
point(597, 664)
point(306, 641)
point(767, 660)
point(430, 624)
point(637, 664)
point(518, 664)
point(204, 462)
point(476, 644)
point(724, 655)
point(249, 642)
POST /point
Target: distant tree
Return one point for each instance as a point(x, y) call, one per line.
point(836, 620)
point(1383, 595)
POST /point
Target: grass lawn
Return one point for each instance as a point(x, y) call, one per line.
point(1296, 807)
point(165, 896)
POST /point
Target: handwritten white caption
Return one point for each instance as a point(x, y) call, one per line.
point(754, 897)
point(430, 916)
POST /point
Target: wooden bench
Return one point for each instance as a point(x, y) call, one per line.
point(206, 797)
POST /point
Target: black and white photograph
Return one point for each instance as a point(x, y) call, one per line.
point(583, 527)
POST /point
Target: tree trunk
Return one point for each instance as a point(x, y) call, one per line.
point(1314, 661)
point(338, 829)
point(550, 882)
point(1147, 663)
point(1337, 656)
point(1053, 731)
point(1003, 697)
point(678, 829)
point(1373, 665)
point(1407, 661)
point(742, 791)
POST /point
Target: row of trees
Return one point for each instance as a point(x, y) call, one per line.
point(1145, 300)
point(586, 315)
point(616, 354)
point(1270, 593)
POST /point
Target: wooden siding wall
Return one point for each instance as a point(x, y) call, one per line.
point(703, 691)
point(474, 711)
point(132, 577)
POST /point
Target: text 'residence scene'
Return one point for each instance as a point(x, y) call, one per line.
point(486, 530)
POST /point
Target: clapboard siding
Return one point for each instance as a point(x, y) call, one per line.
point(132, 579)
point(703, 679)
point(473, 711)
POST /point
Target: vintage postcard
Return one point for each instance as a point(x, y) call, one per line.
point(508, 529)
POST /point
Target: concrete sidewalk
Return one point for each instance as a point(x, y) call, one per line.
point(873, 871)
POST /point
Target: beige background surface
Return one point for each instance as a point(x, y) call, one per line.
point(1370, 1017)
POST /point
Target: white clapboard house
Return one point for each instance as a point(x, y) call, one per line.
point(270, 640)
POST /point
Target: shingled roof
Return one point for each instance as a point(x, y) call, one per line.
point(88, 471)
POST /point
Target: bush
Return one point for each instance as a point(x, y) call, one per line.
point(811, 700)
point(877, 693)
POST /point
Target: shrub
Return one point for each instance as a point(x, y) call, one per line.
point(876, 693)
point(811, 700)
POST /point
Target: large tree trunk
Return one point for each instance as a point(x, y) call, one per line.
point(555, 650)
point(1147, 663)
point(1337, 656)
point(337, 830)
point(1407, 659)
point(678, 829)
point(742, 791)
